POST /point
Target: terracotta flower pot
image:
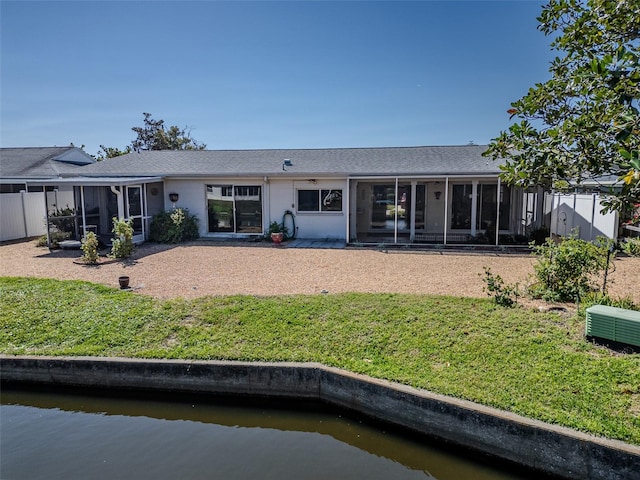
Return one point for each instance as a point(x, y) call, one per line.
point(124, 282)
point(277, 237)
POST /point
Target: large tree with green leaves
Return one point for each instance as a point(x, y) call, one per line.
point(111, 152)
point(583, 123)
point(153, 135)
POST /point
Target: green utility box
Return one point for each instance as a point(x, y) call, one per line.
point(612, 323)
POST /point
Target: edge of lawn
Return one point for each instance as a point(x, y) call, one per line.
point(534, 364)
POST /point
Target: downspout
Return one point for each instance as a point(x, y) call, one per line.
point(120, 201)
point(266, 205)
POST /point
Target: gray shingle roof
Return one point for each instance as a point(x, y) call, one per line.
point(40, 162)
point(445, 160)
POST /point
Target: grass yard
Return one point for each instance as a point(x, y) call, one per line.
point(531, 363)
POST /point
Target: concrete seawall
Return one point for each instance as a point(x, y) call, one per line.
point(548, 448)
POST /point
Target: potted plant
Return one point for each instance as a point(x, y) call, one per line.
point(277, 232)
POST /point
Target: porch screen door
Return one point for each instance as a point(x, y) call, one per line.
point(135, 211)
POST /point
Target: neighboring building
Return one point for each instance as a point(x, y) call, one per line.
point(22, 203)
point(442, 195)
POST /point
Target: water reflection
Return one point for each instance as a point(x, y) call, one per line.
point(62, 436)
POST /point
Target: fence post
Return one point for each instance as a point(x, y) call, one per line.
point(24, 213)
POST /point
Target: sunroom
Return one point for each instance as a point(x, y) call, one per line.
point(96, 202)
point(448, 210)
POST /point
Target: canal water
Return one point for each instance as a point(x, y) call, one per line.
point(67, 435)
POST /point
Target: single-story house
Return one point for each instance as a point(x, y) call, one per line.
point(401, 195)
point(22, 203)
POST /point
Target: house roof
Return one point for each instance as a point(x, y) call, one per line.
point(100, 181)
point(388, 161)
point(41, 162)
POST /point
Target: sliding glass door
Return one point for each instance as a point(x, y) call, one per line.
point(248, 209)
point(234, 208)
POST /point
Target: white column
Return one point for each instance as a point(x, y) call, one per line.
point(143, 209)
point(412, 230)
point(474, 207)
point(347, 205)
point(23, 193)
point(46, 215)
point(446, 207)
point(395, 220)
point(498, 199)
point(84, 217)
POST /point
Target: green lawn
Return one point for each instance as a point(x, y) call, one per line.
point(535, 364)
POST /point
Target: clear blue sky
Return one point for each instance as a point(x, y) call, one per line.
point(267, 74)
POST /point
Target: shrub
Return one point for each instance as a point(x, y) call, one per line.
point(631, 247)
point(597, 298)
point(503, 295)
point(122, 243)
point(174, 227)
point(90, 248)
point(565, 271)
point(539, 235)
point(56, 237)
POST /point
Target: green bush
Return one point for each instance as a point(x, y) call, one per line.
point(539, 235)
point(122, 242)
point(597, 298)
point(631, 246)
point(56, 238)
point(503, 295)
point(174, 227)
point(90, 248)
point(566, 271)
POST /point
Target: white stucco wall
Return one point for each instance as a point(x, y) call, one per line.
point(278, 195)
point(192, 196)
point(311, 225)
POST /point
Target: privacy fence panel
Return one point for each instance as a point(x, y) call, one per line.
point(581, 214)
point(22, 215)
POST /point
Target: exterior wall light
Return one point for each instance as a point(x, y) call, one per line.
point(174, 197)
point(437, 194)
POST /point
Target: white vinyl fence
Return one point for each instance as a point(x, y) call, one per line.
point(580, 213)
point(22, 215)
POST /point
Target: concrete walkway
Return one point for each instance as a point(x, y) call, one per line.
point(309, 243)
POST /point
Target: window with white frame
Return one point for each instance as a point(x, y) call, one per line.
point(320, 200)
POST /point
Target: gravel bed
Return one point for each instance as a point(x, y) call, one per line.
point(220, 268)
